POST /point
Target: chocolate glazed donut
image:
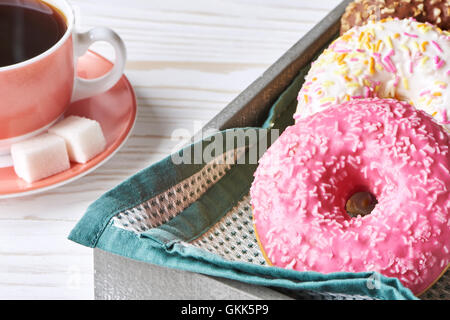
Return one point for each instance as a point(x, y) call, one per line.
point(436, 12)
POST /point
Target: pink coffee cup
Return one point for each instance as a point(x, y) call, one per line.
point(35, 93)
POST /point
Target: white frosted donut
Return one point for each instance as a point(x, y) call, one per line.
point(400, 59)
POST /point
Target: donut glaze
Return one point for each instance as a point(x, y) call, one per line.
point(400, 59)
point(388, 148)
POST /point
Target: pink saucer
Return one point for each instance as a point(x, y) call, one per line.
point(115, 110)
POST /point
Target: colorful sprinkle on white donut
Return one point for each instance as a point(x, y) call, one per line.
point(400, 59)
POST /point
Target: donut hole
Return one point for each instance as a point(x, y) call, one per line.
point(358, 192)
point(360, 203)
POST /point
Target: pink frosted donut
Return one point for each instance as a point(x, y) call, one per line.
point(385, 147)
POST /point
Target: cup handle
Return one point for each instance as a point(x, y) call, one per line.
point(84, 88)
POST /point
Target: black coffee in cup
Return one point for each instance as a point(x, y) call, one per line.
point(27, 29)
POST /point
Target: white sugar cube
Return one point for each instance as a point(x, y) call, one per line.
point(84, 137)
point(40, 157)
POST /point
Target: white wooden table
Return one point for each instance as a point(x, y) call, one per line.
point(187, 61)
